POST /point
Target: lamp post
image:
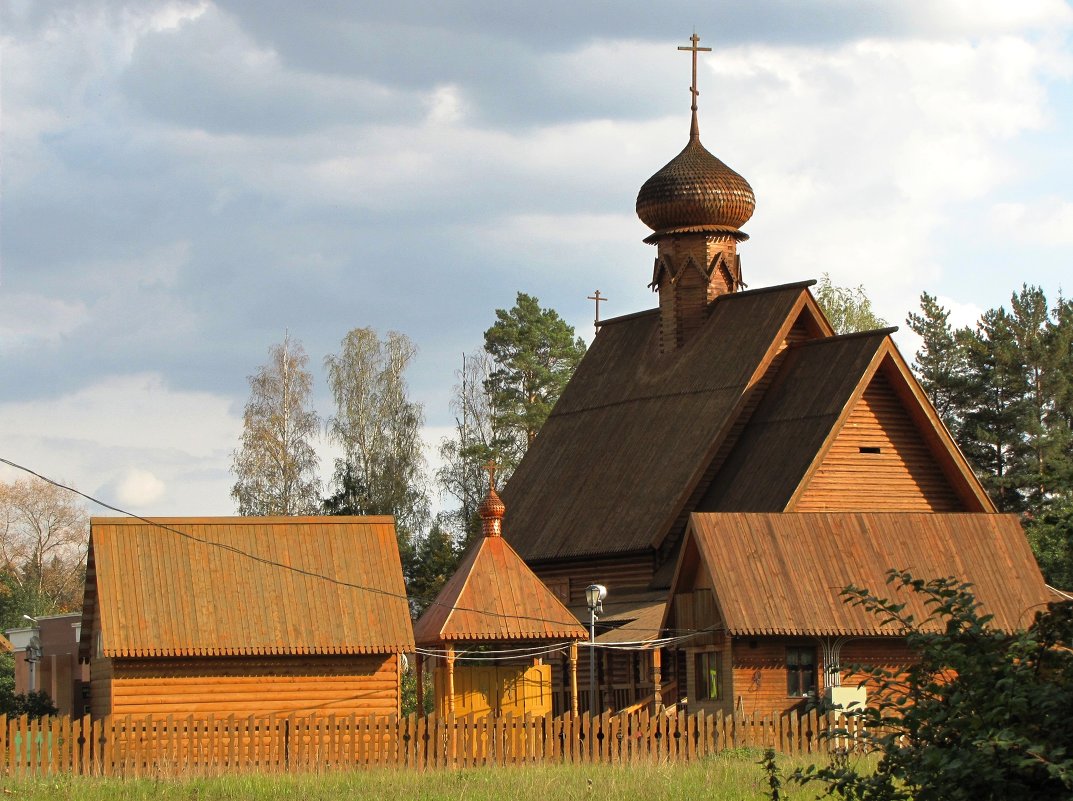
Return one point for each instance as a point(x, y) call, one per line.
point(33, 654)
point(594, 598)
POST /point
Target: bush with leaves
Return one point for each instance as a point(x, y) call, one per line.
point(983, 713)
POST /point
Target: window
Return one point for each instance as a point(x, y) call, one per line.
point(800, 670)
point(706, 665)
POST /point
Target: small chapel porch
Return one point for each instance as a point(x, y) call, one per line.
point(494, 632)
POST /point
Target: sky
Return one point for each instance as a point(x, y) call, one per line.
point(184, 183)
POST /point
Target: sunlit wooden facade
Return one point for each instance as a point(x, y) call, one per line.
point(763, 592)
point(244, 616)
point(494, 602)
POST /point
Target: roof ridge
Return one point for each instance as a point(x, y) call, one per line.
point(728, 296)
point(850, 335)
point(763, 289)
point(631, 316)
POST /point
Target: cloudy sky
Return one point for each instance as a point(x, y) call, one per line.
point(183, 182)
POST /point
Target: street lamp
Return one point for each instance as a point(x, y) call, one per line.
point(33, 654)
point(594, 598)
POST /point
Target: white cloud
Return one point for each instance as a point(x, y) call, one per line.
point(1047, 221)
point(859, 154)
point(131, 438)
point(139, 489)
point(30, 320)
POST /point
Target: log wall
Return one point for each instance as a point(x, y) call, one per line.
point(360, 684)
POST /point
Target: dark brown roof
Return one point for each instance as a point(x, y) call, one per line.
point(493, 595)
point(791, 423)
point(245, 585)
point(634, 431)
point(781, 574)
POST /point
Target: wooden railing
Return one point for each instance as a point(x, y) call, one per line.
point(171, 746)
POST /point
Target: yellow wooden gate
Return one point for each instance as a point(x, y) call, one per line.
point(496, 690)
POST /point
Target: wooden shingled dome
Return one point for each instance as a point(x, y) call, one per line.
point(695, 191)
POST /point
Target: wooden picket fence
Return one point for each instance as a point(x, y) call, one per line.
point(175, 746)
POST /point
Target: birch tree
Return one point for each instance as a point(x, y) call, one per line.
point(276, 466)
point(474, 442)
point(382, 471)
point(848, 310)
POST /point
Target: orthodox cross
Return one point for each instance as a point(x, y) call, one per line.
point(694, 49)
point(598, 298)
point(491, 468)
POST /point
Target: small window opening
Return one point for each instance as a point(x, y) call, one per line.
point(870, 449)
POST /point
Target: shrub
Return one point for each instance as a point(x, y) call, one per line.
point(983, 714)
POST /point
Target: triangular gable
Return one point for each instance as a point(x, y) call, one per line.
point(800, 405)
point(781, 574)
point(244, 586)
point(629, 441)
point(493, 595)
point(889, 450)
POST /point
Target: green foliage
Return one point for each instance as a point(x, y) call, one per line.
point(939, 362)
point(848, 310)
point(436, 559)
point(773, 774)
point(409, 692)
point(1004, 388)
point(379, 428)
point(34, 705)
point(1051, 535)
point(982, 715)
point(534, 353)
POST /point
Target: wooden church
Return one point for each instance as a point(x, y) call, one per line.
point(786, 456)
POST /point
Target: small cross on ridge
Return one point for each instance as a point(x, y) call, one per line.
point(694, 50)
point(598, 298)
point(491, 468)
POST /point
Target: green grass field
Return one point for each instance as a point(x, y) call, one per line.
point(728, 777)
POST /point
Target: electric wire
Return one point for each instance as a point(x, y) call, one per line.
point(272, 563)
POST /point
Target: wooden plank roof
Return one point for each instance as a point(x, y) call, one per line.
point(634, 431)
point(493, 595)
point(781, 574)
point(789, 427)
point(230, 586)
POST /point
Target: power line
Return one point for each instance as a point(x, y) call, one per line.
point(272, 563)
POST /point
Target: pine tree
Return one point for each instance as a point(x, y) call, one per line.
point(940, 362)
point(436, 559)
point(993, 434)
point(534, 353)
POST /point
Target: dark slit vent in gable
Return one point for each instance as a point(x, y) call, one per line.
point(870, 449)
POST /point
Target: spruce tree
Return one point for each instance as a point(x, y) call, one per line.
point(940, 362)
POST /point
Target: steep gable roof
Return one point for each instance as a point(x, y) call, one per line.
point(493, 595)
point(807, 406)
point(633, 433)
point(229, 586)
point(790, 425)
point(781, 573)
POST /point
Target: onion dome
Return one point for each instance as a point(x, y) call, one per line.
point(695, 191)
point(491, 511)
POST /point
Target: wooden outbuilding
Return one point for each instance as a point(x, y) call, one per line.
point(507, 628)
point(761, 593)
point(244, 615)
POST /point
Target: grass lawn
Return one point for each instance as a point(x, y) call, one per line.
point(727, 777)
